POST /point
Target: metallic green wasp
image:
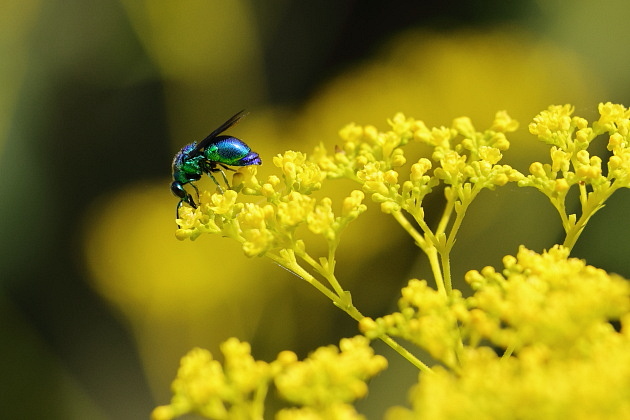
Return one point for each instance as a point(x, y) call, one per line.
point(212, 154)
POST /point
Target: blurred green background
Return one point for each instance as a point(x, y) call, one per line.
point(98, 300)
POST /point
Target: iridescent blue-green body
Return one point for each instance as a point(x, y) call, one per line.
point(212, 154)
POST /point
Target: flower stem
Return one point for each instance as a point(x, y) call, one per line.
point(406, 354)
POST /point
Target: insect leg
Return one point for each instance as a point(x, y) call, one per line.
point(224, 177)
point(215, 180)
point(190, 199)
point(177, 210)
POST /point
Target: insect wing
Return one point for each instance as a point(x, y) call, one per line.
point(210, 138)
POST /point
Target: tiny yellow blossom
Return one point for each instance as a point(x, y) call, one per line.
point(561, 160)
point(419, 169)
point(257, 242)
point(561, 185)
point(300, 175)
point(504, 123)
point(616, 142)
point(398, 158)
point(351, 133)
point(249, 182)
point(464, 126)
point(321, 218)
point(223, 203)
point(353, 204)
point(373, 179)
point(400, 124)
point(370, 133)
point(294, 208)
point(490, 154)
point(452, 166)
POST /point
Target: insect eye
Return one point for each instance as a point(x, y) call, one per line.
point(178, 189)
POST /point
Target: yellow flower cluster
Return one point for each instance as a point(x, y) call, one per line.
point(466, 160)
point(322, 386)
point(427, 318)
point(549, 329)
point(270, 225)
point(572, 164)
point(463, 160)
point(214, 391)
point(563, 329)
point(548, 300)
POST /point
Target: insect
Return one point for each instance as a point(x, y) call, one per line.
point(212, 154)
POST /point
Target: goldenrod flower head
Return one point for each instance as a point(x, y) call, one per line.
point(552, 311)
point(300, 175)
point(572, 164)
point(426, 318)
point(206, 387)
point(321, 218)
point(321, 386)
point(193, 223)
point(331, 375)
point(553, 126)
point(294, 208)
point(208, 217)
point(549, 299)
point(613, 118)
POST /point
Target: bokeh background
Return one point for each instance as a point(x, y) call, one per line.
point(98, 300)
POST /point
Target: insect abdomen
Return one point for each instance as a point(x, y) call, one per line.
point(231, 151)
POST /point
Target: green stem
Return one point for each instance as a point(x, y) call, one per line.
point(594, 202)
point(326, 272)
point(406, 354)
point(446, 269)
point(404, 223)
point(446, 216)
point(297, 269)
point(508, 352)
point(434, 262)
point(559, 204)
point(428, 248)
point(354, 313)
point(258, 404)
point(445, 253)
point(343, 303)
point(330, 269)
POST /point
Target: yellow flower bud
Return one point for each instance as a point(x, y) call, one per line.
point(537, 170)
point(561, 185)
